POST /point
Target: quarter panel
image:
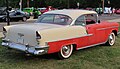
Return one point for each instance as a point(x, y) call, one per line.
point(63, 33)
point(56, 38)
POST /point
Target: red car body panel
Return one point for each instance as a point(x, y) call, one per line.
point(97, 34)
point(117, 11)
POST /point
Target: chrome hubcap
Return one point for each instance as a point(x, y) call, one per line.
point(111, 39)
point(66, 50)
point(24, 18)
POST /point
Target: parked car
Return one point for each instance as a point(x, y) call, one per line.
point(49, 8)
point(42, 10)
point(61, 32)
point(107, 10)
point(36, 13)
point(28, 10)
point(31, 11)
point(117, 11)
point(15, 16)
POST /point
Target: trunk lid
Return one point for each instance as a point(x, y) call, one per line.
point(26, 33)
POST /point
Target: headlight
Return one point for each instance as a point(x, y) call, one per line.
point(4, 32)
point(38, 37)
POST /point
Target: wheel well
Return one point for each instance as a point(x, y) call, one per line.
point(74, 46)
point(115, 32)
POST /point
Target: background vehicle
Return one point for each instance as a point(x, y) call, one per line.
point(31, 11)
point(42, 10)
point(49, 8)
point(107, 10)
point(15, 16)
point(117, 11)
point(36, 13)
point(28, 10)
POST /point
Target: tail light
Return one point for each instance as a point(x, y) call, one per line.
point(4, 32)
point(38, 37)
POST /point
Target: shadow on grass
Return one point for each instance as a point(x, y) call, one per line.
point(17, 56)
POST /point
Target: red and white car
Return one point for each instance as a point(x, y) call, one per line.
point(117, 11)
point(60, 32)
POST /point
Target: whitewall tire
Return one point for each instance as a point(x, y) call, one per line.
point(111, 39)
point(65, 52)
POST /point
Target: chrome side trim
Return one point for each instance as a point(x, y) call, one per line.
point(108, 28)
point(90, 46)
point(70, 38)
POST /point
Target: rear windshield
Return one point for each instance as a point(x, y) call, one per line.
point(55, 19)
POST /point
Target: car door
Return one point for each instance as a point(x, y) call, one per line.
point(12, 15)
point(15, 15)
point(19, 15)
point(81, 41)
point(94, 29)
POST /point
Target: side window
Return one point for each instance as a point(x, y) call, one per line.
point(18, 13)
point(62, 19)
point(46, 19)
point(59, 19)
point(91, 19)
point(80, 21)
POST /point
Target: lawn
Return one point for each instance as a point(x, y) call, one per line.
point(99, 57)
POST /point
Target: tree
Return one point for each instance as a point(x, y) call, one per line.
point(61, 3)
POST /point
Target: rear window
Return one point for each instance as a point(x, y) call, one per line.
point(54, 19)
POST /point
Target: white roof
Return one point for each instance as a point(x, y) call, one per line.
point(71, 13)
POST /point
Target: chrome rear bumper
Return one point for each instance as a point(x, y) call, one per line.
point(36, 50)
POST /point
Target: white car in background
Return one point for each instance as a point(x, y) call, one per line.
point(107, 10)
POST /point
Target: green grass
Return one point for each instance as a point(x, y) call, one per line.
point(99, 57)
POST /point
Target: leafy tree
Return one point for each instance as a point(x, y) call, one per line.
point(62, 3)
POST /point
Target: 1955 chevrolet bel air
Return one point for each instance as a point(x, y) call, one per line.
point(61, 32)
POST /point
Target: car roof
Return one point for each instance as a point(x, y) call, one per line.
point(71, 13)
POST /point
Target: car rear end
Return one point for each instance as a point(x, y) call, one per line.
point(21, 39)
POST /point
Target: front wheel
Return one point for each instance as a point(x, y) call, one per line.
point(65, 52)
point(111, 39)
point(6, 19)
point(24, 19)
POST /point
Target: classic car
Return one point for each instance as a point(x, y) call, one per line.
point(61, 32)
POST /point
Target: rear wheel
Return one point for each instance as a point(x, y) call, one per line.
point(111, 39)
point(65, 52)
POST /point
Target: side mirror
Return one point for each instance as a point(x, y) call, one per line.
point(98, 21)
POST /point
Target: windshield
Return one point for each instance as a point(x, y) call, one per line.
point(54, 19)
